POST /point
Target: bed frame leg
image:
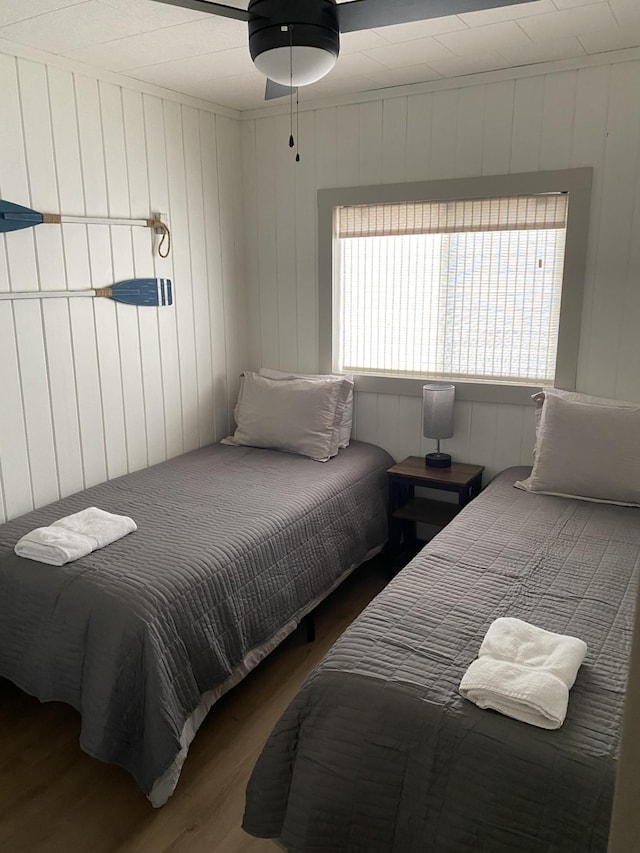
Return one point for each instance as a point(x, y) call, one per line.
point(311, 627)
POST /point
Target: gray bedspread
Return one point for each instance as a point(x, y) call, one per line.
point(379, 753)
point(232, 544)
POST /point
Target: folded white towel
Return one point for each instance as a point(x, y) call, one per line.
point(100, 526)
point(74, 536)
point(524, 672)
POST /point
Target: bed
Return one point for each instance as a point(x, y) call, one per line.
point(235, 545)
point(379, 753)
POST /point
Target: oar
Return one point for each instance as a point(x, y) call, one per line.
point(13, 217)
point(155, 292)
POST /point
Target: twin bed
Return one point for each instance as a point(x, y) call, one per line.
point(379, 753)
point(235, 545)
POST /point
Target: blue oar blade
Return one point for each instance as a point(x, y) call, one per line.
point(13, 217)
point(155, 292)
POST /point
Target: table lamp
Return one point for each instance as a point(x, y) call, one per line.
point(437, 418)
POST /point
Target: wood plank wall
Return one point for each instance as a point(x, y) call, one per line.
point(90, 389)
point(585, 117)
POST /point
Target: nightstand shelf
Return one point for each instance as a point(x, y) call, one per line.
point(406, 510)
point(419, 509)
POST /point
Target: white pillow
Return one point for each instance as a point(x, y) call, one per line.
point(300, 416)
point(572, 396)
point(587, 448)
point(347, 416)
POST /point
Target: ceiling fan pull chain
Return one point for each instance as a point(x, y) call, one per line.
point(297, 124)
point(291, 140)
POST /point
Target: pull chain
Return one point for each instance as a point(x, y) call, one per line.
point(297, 124)
point(291, 140)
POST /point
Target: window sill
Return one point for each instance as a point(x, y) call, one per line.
point(479, 392)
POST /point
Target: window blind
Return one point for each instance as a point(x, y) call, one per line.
point(458, 289)
point(441, 217)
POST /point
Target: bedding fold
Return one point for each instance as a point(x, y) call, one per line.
point(524, 672)
point(74, 536)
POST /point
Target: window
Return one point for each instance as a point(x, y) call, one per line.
point(474, 280)
point(462, 289)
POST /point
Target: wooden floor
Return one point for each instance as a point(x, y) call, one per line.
point(56, 799)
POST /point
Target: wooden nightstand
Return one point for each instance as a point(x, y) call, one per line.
point(405, 509)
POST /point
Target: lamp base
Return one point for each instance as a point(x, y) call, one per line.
point(437, 460)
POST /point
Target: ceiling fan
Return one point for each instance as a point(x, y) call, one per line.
point(297, 42)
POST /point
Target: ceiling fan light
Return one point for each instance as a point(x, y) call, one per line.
point(309, 64)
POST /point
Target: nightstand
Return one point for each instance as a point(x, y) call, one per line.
point(405, 509)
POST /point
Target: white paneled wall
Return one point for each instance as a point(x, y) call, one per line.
point(91, 389)
point(585, 117)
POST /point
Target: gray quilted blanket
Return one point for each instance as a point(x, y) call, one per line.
point(232, 544)
point(380, 754)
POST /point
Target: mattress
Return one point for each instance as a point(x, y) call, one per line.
point(233, 547)
point(379, 753)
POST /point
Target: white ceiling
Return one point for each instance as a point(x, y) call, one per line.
point(206, 56)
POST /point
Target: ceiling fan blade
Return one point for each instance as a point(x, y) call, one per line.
point(212, 8)
point(277, 90)
point(366, 14)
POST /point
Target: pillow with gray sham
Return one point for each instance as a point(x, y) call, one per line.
point(347, 416)
point(299, 416)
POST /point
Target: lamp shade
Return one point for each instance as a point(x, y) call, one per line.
point(437, 409)
point(296, 66)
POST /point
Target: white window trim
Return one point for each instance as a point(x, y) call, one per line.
point(576, 182)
